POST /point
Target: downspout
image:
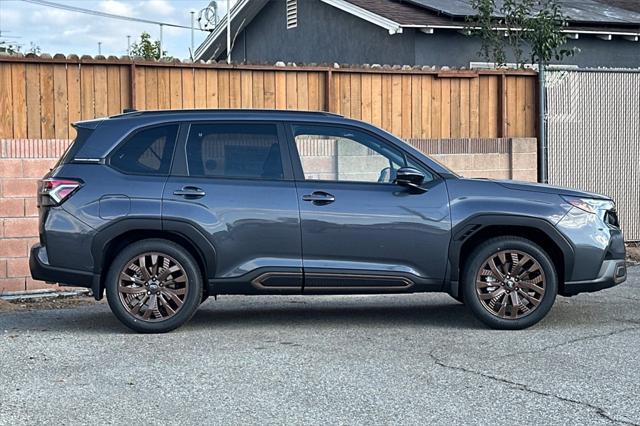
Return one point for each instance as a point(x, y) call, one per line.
point(244, 34)
point(228, 31)
point(543, 175)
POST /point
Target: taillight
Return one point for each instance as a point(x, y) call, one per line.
point(58, 190)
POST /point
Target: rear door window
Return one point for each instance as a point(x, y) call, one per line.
point(229, 150)
point(148, 151)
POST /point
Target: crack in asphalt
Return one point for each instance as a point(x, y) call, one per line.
point(576, 340)
point(603, 302)
point(521, 386)
point(635, 299)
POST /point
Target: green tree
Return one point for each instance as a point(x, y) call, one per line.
point(34, 48)
point(516, 19)
point(16, 48)
point(545, 36)
point(147, 48)
point(482, 25)
point(519, 26)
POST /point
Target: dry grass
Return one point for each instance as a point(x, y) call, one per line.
point(8, 306)
point(633, 252)
point(46, 303)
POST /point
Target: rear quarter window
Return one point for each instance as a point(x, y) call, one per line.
point(82, 134)
point(146, 152)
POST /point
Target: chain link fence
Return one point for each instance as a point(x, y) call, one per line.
point(593, 128)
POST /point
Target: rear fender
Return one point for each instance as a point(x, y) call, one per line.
point(185, 230)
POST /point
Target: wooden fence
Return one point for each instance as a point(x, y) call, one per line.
point(41, 97)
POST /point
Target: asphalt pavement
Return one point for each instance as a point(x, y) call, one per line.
point(410, 359)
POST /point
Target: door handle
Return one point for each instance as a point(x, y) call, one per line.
point(319, 197)
point(190, 192)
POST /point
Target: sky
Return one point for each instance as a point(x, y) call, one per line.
point(61, 31)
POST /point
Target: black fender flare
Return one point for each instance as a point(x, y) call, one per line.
point(183, 229)
point(474, 224)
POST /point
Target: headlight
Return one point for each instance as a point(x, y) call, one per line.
point(590, 205)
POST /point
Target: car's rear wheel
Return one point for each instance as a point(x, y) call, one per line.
point(509, 283)
point(154, 286)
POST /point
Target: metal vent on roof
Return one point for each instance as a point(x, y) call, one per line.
point(292, 13)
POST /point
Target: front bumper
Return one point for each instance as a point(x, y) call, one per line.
point(41, 270)
point(612, 272)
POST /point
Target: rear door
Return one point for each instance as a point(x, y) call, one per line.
point(233, 181)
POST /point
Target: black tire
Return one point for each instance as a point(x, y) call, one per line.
point(477, 260)
point(192, 297)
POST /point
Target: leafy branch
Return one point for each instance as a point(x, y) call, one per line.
point(519, 26)
point(147, 48)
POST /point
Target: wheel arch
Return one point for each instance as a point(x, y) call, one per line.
point(109, 241)
point(470, 233)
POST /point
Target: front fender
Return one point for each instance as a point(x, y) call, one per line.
point(475, 224)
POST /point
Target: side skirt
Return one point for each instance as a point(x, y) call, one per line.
point(294, 282)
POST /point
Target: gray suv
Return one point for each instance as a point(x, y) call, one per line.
point(162, 209)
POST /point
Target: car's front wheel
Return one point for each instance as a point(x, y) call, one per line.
point(509, 283)
point(154, 286)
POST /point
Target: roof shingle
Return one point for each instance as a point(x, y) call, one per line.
point(402, 13)
point(411, 13)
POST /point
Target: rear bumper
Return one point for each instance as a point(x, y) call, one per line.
point(612, 273)
point(41, 270)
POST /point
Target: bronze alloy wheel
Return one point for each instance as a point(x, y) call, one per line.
point(510, 284)
point(153, 287)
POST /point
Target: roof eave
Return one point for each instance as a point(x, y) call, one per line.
point(567, 30)
point(391, 26)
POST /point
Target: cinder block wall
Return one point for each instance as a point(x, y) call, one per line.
point(516, 160)
point(24, 161)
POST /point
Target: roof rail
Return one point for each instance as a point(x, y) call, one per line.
point(132, 111)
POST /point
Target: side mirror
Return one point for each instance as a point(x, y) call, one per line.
point(410, 177)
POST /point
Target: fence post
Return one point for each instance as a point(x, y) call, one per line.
point(132, 84)
point(327, 90)
point(502, 106)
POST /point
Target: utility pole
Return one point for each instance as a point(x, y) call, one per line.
point(228, 31)
point(192, 30)
point(99, 48)
point(161, 40)
point(128, 45)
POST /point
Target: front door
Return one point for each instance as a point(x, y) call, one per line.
point(360, 231)
point(233, 182)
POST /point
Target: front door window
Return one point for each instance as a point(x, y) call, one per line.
point(346, 155)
